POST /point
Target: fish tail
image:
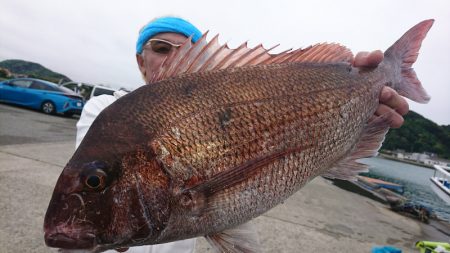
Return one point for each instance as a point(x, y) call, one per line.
point(402, 55)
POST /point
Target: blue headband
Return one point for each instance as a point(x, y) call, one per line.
point(166, 24)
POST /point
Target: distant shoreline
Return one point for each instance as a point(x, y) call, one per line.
point(389, 157)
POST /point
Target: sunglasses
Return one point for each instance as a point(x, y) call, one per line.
point(161, 46)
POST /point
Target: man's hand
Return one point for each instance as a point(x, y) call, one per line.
point(390, 100)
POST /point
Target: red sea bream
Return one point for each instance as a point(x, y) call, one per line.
point(221, 136)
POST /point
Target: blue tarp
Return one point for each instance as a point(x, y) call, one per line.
point(386, 249)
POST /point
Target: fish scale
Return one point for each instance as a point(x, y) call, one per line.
point(281, 189)
point(211, 117)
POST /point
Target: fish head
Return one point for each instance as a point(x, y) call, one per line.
point(111, 194)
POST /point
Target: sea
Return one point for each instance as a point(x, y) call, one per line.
point(416, 182)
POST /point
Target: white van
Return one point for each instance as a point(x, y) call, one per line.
point(100, 90)
point(87, 91)
point(83, 89)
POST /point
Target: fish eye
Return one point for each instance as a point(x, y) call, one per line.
point(95, 180)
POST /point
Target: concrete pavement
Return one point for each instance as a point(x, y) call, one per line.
point(20, 126)
point(28, 173)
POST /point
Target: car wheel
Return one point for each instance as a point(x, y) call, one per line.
point(48, 107)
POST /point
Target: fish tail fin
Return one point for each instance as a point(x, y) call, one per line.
point(402, 55)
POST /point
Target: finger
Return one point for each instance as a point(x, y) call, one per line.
point(374, 58)
point(391, 98)
point(360, 59)
point(368, 60)
point(395, 118)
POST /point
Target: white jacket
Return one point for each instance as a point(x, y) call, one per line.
point(90, 111)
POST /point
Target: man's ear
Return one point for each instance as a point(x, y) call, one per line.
point(140, 62)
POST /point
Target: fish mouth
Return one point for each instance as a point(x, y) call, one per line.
point(64, 241)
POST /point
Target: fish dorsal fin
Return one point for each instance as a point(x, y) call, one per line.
point(206, 56)
point(203, 55)
point(233, 55)
point(368, 145)
point(319, 53)
point(193, 53)
point(173, 61)
point(324, 53)
point(259, 55)
point(241, 239)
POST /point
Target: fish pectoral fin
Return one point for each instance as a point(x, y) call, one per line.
point(240, 173)
point(368, 145)
point(241, 239)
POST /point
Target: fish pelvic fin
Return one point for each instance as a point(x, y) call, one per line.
point(241, 239)
point(368, 145)
point(208, 56)
point(402, 55)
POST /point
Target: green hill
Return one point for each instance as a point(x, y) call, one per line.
point(419, 134)
point(31, 69)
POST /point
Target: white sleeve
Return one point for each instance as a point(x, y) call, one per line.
point(90, 111)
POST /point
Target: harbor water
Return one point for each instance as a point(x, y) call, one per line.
point(416, 182)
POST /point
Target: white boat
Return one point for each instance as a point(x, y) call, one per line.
point(441, 182)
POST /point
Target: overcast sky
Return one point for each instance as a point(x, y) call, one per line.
point(93, 41)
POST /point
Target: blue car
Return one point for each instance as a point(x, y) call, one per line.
point(41, 95)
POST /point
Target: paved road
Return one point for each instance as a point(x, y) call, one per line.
point(21, 126)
